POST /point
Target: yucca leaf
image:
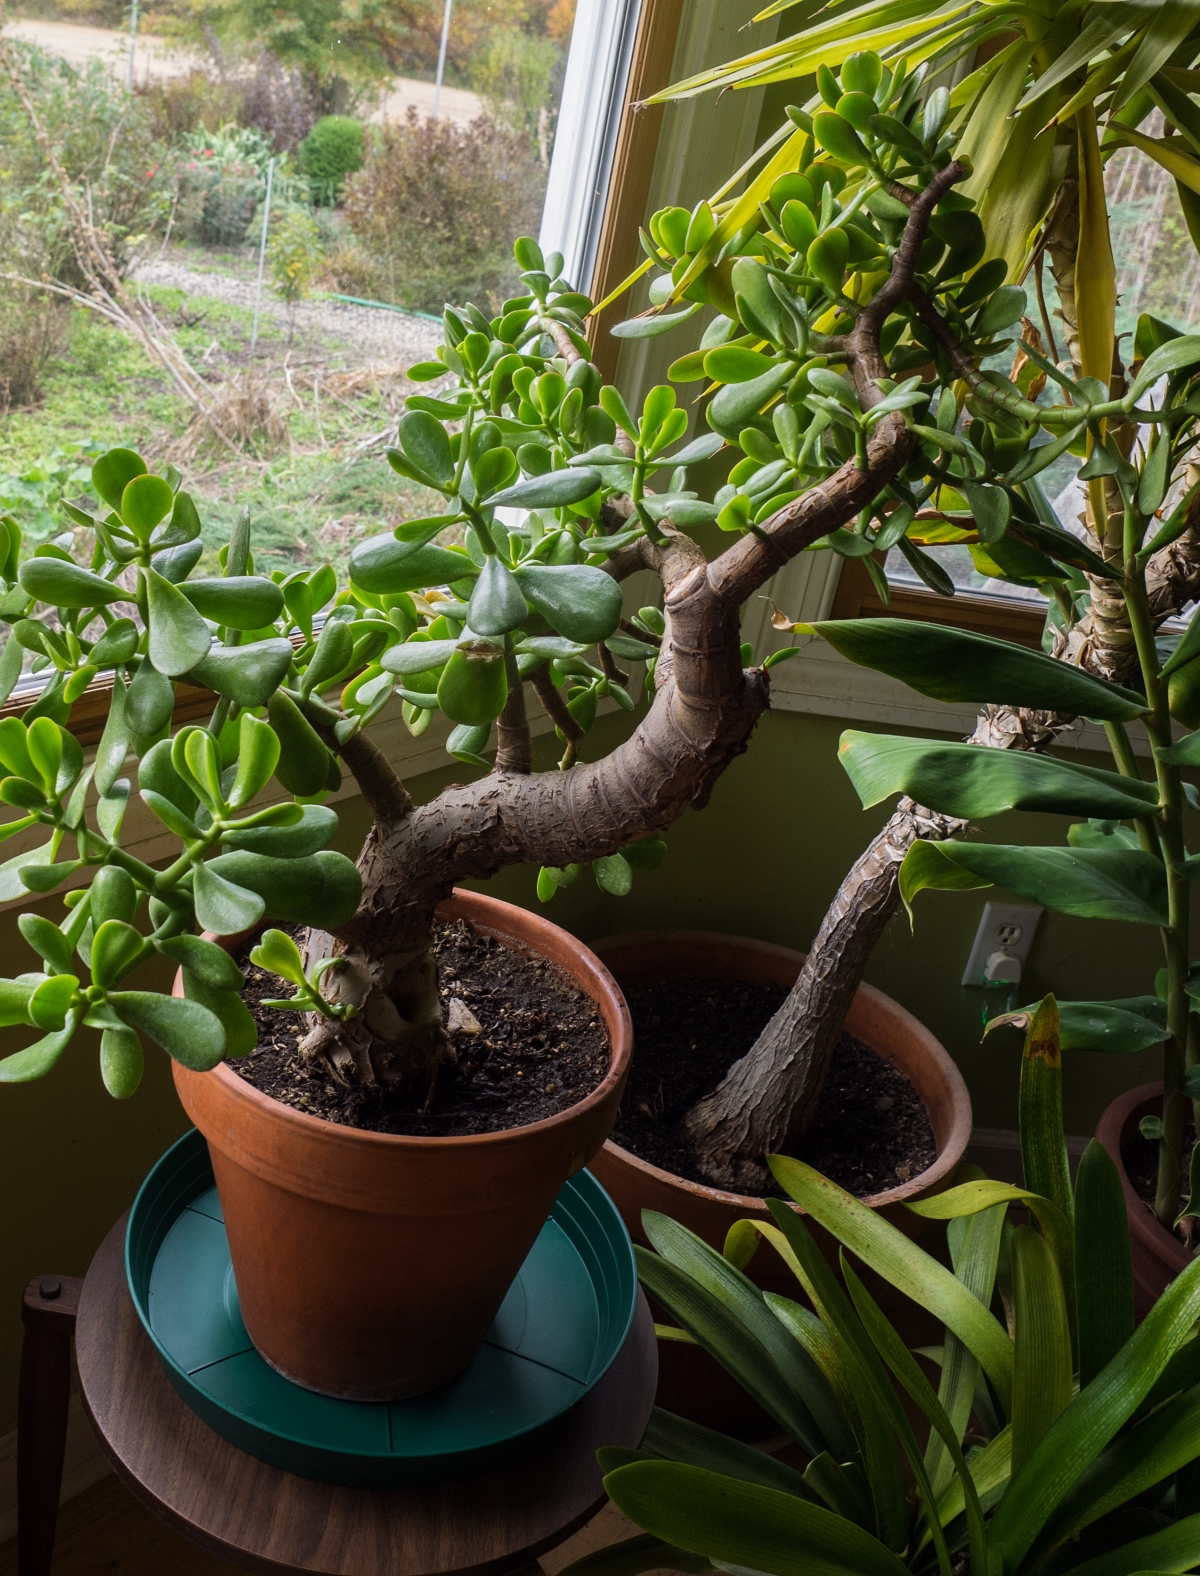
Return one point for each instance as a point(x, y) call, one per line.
point(1095, 271)
point(1103, 1266)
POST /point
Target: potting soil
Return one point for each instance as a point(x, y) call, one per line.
point(871, 1130)
point(541, 1047)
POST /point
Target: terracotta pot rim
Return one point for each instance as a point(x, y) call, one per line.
point(925, 1182)
point(1110, 1131)
point(621, 1049)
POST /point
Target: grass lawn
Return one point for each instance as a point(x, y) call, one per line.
point(311, 495)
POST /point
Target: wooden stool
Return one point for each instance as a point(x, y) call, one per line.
point(264, 1519)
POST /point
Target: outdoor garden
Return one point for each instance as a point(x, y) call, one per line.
point(176, 181)
point(474, 1223)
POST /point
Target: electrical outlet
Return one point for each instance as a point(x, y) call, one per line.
point(1006, 931)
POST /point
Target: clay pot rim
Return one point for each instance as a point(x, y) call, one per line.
point(1111, 1132)
point(478, 907)
point(925, 1183)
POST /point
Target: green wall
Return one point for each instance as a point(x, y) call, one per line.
point(763, 859)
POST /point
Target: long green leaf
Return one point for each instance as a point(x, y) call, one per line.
point(975, 1266)
point(633, 1555)
point(1165, 1441)
point(688, 1253)
point(902, 1363)
point(1116, 1027)
point(1169, 26)
point(959, 665)
point(1042, 1370)
point(1095, 270)
point(1078, 1435)
point(878, 1409)
point(1043, 1139)
point(725, 1336)
point(679, 1439)
point(1103, 1265)
point(1175, 1548)
point(744, 1524)
point(900, 1262)
point(1089, 882)
point(1097, 36)
point(990, 1470)
point(963, 780)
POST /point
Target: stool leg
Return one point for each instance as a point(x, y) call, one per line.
point(49, 1311)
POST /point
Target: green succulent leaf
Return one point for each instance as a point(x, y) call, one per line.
point(236, 601)
point(179, 637)
point(188, 1032)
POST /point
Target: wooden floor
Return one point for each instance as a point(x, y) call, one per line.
point(105, 1529)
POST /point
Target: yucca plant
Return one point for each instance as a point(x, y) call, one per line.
point(822, 211)
point(1059, 1437)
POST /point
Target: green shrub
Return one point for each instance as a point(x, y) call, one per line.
point(32, 328)
point(294, 255)
point(432, 211)
point(220, 178)
point(332, 150)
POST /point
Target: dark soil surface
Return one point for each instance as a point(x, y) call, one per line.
point(1140, 1156)
point(871, 1130)
point(543, 1047)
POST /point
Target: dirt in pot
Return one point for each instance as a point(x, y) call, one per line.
point(541, 1047)
point(871, 1130)
point(1140, 1158)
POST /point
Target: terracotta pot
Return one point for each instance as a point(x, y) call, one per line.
point(690, 1382)
point(1158, 1255)
point(370, 1266)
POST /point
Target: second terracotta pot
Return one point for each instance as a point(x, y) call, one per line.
point(689, 1381)
point(1158, 1254)
point(369, 1265)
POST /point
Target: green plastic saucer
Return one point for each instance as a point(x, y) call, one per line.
point(563, 1322)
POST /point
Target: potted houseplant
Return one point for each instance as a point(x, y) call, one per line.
point(1058, 1436)
point(1037, 193)
point(458, 627)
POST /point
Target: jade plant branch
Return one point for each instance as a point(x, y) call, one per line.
point(703, 712)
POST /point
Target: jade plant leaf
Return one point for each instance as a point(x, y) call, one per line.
point(185, 1030)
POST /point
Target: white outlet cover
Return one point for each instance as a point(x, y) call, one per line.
point(997, 933)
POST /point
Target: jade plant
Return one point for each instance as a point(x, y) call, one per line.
point(849, 316)
point(1060, 92)
point(1040, 1433)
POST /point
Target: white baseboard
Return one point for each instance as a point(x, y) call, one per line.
point(83, 1465)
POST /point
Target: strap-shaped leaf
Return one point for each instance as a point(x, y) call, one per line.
point(963, 780)
point(902, 1363)
point(1158, 1446)
point(633, 1555)
point(1042, 1371)
point(1043, 1138)
point(1092, 883)
point(679, 1439)
point(745, 1524)
point(990, 1469)
point(891, 1254)
point(1077, 1436)
point(693, 1256)
point(881, 1416)
point(1132, 1024)
point(1103, 1264)
point(1175, 1548)
point(975, 1266)
point(958, 665)
point(725, 1336)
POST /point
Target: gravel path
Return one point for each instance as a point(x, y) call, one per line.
point(372, 333)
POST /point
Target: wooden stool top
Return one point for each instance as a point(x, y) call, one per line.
point(267, 1520)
